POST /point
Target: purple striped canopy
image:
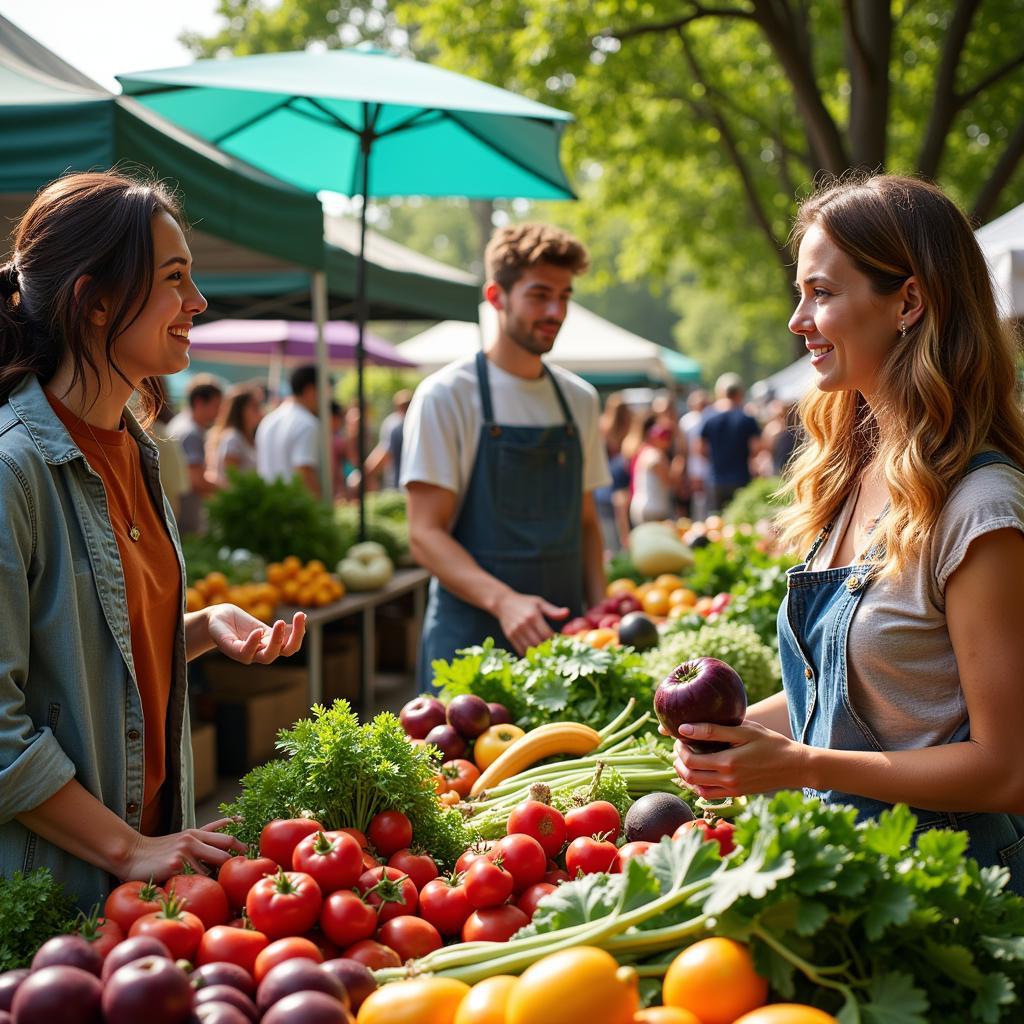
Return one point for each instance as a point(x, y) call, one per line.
point(259, 341)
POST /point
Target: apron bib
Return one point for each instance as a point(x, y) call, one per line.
point(814, 627)
point(520, 521)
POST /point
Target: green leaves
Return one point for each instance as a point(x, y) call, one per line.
point(33, 908)
point(560, 678)
point(344, 773)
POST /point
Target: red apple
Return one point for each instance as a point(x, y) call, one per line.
point(421, 715)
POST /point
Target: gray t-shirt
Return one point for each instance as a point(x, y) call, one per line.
point(902, 673)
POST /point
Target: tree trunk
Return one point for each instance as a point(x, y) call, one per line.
point(868, 29)
point(784, 34)
point(1005, 166)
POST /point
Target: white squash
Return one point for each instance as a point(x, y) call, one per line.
point(365, 566)
point(655, 548)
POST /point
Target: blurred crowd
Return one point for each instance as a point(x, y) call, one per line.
point(668, 463)
point(242, 427)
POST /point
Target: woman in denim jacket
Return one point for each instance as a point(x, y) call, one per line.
point(901, 634)
point(95, 755)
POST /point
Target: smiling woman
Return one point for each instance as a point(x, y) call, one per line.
point(900, 640)
point(95, 754)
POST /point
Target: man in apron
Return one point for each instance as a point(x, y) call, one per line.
point(502, 456)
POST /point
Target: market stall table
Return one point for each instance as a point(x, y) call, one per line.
point(403, 582)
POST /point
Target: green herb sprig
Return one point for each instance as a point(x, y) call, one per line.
point(343, 773)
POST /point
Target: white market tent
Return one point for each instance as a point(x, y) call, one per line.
point(587, 345)
point(1002, 241)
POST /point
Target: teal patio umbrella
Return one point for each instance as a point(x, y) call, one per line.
point(365, 123)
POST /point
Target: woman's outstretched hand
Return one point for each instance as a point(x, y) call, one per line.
point(159, 857)
point(244, 638)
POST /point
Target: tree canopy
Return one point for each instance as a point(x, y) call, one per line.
point(701, 123)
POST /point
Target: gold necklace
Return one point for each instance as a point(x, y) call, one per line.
point(134, 533)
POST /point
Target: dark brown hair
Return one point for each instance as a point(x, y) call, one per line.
point(513, 249)
point(96, 226)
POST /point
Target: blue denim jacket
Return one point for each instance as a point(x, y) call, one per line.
point(69, 700)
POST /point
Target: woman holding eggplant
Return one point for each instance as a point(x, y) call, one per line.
point(901, 641)
point(95, 754)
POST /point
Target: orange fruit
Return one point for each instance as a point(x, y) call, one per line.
point(655, 602)
point(714, 979)
point(668, 581)
point(619, 587)
point(290, 591)
point(486, 1001)
point(216, 583)
point(603, 637)
point(665, 1015)
point(682, 597)
point(291, 565)
point(787, 1013)
point(276, 573)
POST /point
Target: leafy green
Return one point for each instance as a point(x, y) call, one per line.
point(608, 784)
point(755, 502)
point(344, 773)
point(33, 908)
point(390, 531)
point(732, 642)
point(729, 566)
point(620, 567)
point(274, 520)
point(561, 678)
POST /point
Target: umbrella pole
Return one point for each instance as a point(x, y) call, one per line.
point(366, 141)
point(323, 389)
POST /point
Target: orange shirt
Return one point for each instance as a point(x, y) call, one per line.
point(152, 580)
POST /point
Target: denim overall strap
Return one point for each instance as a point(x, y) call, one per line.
point(814, 625)
point(520, 520)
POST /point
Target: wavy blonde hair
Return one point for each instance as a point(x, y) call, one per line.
point(948, 388)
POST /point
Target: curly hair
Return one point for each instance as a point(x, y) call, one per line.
point(514, 248)
point(948, 388)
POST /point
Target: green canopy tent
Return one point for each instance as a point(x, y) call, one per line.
point(258, 243)
point(365, 123)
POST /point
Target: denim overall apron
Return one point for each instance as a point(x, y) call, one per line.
point(814, 626)
point(520, 521)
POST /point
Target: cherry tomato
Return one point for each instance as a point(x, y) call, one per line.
point(523, 858)
point(460, 775)
point(528, 901)
point(292, 948)
point(410, 937)
point(488, 884)
point(201, 896)
point(239, 874)
point(420, 867)
point(333, 859)
point(444, 904)
point(131, 900)
point(449, 798)
point(718, 831)
point(494, 924)
point(555, 875)
point(359, 837)
point(440, 784)
point(374, 955)
point(475, 852)
point(542, 821)
point(280, 837)
point(102, 933)
point(389, 832)
point(590, 856)
point(628, 852)
point(391, 892)
point(175, 927)
point(238, 946)
point(593, 819)
point(347, 918)
point(287, 903)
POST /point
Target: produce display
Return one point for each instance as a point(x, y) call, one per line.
point(519, 849)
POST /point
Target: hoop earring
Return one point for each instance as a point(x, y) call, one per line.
point(903, 328)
